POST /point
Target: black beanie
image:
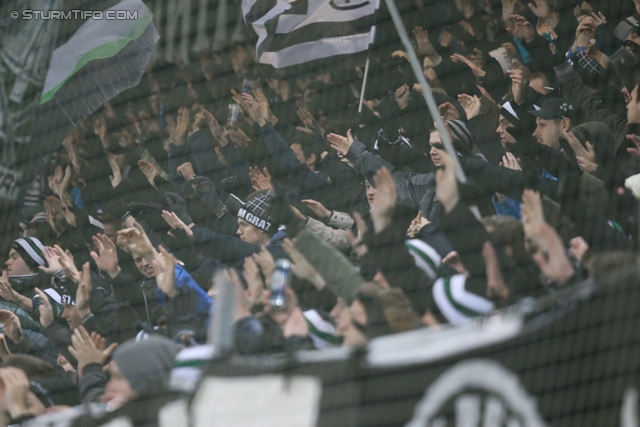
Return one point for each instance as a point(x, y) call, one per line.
point(255, 213)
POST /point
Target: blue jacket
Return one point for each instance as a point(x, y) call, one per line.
point(184, 280)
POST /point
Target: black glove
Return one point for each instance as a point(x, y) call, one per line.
point(206, 192)
point(111, 202)
point(282, 213)
point(179, 206)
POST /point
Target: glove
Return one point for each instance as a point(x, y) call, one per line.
point(206, 192)
point(111, 202)
point(179, 206)
point(281, 213)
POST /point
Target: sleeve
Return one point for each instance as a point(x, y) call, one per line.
point(336, 238)
point(238, 165)
point(92, 383)
point(229, 250)
point(340, 220)
point(341, 277)
point(205, 157)
point(281, 151)
point(179, 154)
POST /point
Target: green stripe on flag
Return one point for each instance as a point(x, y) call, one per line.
point(462, 309)
point(107, 50)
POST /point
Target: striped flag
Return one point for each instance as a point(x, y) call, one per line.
point(307, 31)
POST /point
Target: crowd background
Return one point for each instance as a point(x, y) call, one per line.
point(221, 166)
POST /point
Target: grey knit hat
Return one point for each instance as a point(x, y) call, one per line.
point(147, 364)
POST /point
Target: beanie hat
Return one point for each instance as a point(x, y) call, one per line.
point(510, 114)
point(31, 251)
point(254, 212)
point(147, 364)
point(463, 141)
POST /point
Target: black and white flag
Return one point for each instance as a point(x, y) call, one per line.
point(303, 31)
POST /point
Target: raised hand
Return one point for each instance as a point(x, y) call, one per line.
point(4, 349)
point(317, 208)
point(83, 294)
point(416, 225)
point(68, 267)
point(100, 127)
point(497, 289)
point(599, 19)
point(446, 183)
point(509, 161)
point(150, 170)
point(594, 53)
point(165, 273)
point(116, 177)
point(215, 128)
point(471, 105)
point(477, 71)
point(255, 284)
point(449, 112)
point(16, 386)
point(425, 48)
point(523, 28)
point(309, 122)
point(263, 103)
point(182, 126)
point(186, 171)
point(6, 291)
point(541, 9)
point(85, 351)
point(636, 141)
point(340, 143)
point(518, 86)
point(453, 260)
point(11, 325)
point(238, 138)
point(385, 200)
point(585, 32)
point(53, 263)
point(586, 157)
point(175, 222)
point(243, 105)
point(255, 111)
point(356, 242)
point(242, 303)
point(59, 182)
point(137, 241)
point(265, 261)
point(106, 256)
point(260, 180)
point(53, 207)
point(46, 311)
point(403, 93)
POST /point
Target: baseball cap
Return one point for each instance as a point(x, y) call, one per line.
point(623, 28)
point(554, 108)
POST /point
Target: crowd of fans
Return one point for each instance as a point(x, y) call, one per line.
point(218, 169)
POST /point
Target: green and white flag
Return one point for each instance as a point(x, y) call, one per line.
point(99, 39)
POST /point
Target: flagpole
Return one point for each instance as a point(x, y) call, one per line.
point(426, 91)
point(366, 66)
point(364, 81)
